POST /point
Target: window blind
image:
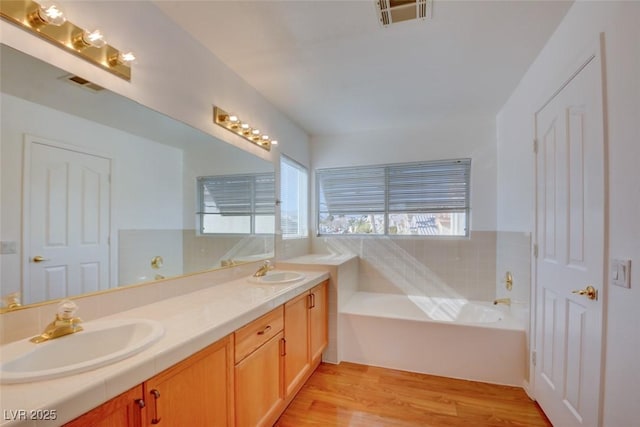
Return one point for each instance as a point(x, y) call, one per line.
point(351, 190)
point(238, 194)
point(396, 198)
point(429, 187)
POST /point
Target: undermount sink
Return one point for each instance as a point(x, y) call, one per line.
point(277, 277)
point(101, 343)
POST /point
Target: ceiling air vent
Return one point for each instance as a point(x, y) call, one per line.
point(394, 11)
point(83, 83)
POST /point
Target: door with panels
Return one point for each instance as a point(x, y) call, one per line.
point(570, 206)
point(67, 226)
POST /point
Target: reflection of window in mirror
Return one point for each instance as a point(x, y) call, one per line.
point(237, 204)
point(294, 183)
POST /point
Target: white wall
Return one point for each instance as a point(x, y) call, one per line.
point(580, 29)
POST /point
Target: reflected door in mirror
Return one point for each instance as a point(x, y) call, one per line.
point(68, 222)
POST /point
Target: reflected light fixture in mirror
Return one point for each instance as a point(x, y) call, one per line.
point(232, 123)
point(46, 19)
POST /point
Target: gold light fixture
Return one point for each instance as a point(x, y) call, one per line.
point(45, 19)
point(232, 123)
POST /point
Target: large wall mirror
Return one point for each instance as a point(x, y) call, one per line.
point(99, 192)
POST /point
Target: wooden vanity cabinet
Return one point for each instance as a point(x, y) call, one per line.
point(318, 321)
point(259, 391)
point(246, 379)
point(305, 334)
point(125, 410)
point(195, 392)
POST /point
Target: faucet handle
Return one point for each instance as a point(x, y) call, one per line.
point(67, 309)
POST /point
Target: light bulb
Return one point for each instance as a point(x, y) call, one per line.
point(48, 13)
point(233, 118)
point(265, 137)
point(244, 126)
point(256, 132)
point(93, 38)
point(122, 58)
point(274, 142)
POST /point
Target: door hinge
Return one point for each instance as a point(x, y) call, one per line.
point(535, 250)
point(535, 146)
point(533, 357)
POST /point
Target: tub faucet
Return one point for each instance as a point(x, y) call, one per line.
point(262, 271)
point(505, 301)
point(65, 323)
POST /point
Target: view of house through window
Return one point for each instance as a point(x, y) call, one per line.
point(421, 199)
point(294, 183)
point(237, 204)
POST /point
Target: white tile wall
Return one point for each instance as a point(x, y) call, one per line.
point(416, 266)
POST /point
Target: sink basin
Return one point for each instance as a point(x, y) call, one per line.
point(101, 343)
point(277, 277)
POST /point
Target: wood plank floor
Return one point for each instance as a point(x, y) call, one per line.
point(365, 396)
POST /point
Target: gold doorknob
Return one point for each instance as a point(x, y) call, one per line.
point(589, 291)
point(39, 258)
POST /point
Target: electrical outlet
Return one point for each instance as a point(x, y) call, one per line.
point(621, 272)
point(8, 248)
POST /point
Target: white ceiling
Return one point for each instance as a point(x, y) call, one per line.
point(333, 69)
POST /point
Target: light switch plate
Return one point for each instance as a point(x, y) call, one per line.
point(621, 272)
point(8, 247)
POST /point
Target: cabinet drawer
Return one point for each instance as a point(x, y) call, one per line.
point(256, 333)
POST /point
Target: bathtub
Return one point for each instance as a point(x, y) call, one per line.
point(439, 336)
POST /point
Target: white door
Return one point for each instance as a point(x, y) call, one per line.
point(68, 222)
point(570, 236)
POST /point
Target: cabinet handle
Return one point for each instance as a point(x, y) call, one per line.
point(313, 300)
point(265, 330)
point(140, 403)
point(310, 302)
point(283, 347)
point(156, 395)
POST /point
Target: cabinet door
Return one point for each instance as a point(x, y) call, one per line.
point(124, 410)
point(196, 391)
point(259, 390)
point(318, 321)
point(296, 336)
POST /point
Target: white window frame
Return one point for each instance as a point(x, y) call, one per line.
point(302, 208)
point(372, 191)
point(255, 206)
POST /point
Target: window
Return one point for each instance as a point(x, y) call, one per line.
point(426, 198)
point(237, 204)
point(294, 184)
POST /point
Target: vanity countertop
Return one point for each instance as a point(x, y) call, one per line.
point(321, 259)
point(191, 322)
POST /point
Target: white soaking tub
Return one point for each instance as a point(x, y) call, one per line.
point(440, 336)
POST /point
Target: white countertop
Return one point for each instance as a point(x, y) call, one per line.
point(191, 322)
point(321, 259)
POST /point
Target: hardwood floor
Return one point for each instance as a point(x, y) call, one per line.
point(365, 396)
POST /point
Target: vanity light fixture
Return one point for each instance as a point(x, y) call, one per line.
point(232, 123)
point(45, 19)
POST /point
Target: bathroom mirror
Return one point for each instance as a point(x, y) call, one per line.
point(99, 192)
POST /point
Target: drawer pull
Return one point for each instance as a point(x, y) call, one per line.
point(283, 347)
point(265, 330)
point(156, 395)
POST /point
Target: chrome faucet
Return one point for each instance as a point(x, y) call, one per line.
point(65, 323)
point(505, 301)
point(262, 271)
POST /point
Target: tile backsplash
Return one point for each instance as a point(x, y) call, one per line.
point(438, 267)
